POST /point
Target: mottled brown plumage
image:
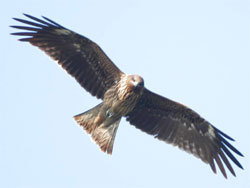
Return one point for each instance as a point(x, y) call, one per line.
point(125, 96)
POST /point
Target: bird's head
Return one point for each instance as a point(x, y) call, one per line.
point(136, 82)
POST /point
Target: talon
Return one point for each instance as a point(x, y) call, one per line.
point(109, 114)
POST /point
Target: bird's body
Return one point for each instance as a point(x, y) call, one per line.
point(102, 121)
point(125, 96)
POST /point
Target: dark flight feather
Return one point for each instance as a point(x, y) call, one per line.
point(125, 95)
point(178, 125)
point(79, 56)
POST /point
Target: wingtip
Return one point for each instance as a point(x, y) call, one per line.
point(13, 34)
point(44, 17)
point(14, 26)
point(240, 166)
point(240, 154)
point(223, 134)
point(17, 19)
point(27, 15)
point(224, 174)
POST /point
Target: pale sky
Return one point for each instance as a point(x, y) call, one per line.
point(194, 52)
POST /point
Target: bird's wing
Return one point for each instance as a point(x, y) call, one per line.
point(79, 56)
point(176, 124)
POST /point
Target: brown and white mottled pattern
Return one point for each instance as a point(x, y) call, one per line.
point(79, 56)
point(125, 95)
point(180, 126)
point(101, 128)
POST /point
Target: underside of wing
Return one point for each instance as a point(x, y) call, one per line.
point(178, 125)
point(79, 56)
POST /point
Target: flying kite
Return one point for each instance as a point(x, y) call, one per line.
point(124, 95)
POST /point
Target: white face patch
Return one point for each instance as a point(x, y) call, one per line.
point(62, 31)
point(135, 83)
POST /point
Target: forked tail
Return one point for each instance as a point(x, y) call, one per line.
point(101, 128)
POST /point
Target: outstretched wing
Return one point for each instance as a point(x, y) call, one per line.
point(178, 125)
point(79, 56)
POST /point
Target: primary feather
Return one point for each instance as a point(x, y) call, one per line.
point(79, 56)
point(125, 96)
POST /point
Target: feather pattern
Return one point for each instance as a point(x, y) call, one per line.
point(125, 95)
point(180, 126)
point(79, 56)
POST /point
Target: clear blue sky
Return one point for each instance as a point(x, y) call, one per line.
point(194, 52)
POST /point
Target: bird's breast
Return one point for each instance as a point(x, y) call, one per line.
point(120, 104)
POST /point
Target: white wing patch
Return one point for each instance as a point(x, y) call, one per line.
point(210, 132)
point(77, 46)
point(62, 31)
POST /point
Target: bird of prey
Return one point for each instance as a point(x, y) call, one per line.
point(124, 95)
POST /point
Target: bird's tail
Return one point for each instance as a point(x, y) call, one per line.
point(101, 128)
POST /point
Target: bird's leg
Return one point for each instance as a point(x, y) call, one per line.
point(109, 114)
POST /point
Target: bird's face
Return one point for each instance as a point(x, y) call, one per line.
point(136, 82)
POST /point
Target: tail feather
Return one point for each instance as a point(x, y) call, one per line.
point(101, 128)
point(105, 136)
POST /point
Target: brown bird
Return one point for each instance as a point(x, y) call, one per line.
point(125, 96)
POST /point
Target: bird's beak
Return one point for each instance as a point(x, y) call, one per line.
point(138, 85)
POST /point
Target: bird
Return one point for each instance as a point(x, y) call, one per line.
point(124, 95)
